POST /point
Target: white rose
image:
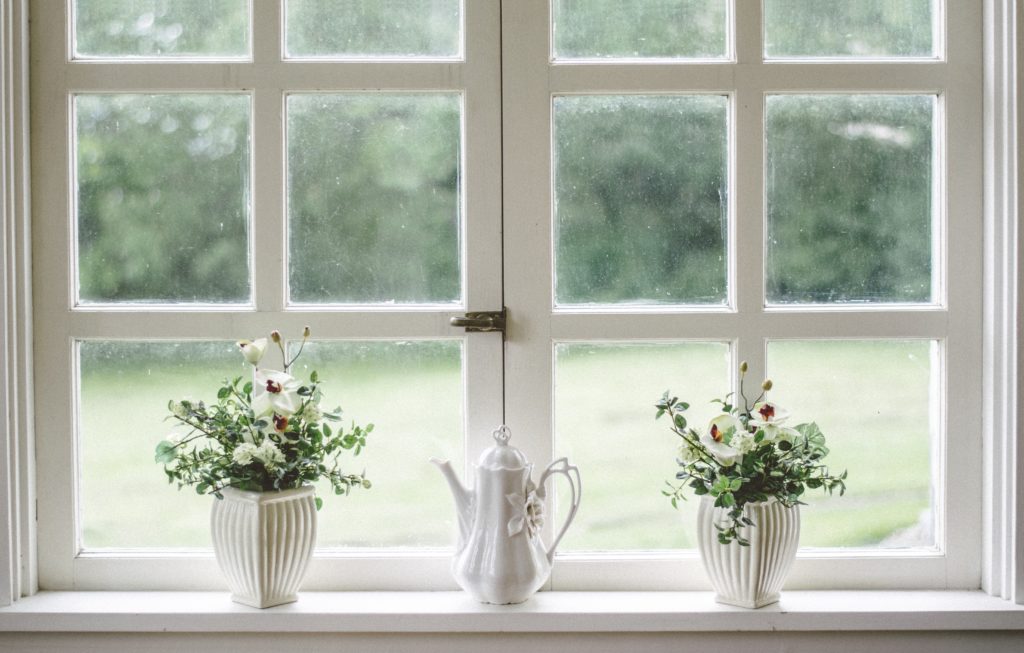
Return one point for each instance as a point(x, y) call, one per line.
point(269, 453)
point(243, 453)
point(253, 350)
point(275, 392)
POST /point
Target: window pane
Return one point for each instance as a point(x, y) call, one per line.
point(374, 198)
point(412, 392)
point(863, 28)
point(630, 29)
point(124, 390)
point(409, 505)
point(640, 199)
point(606, 426)
point(849, 189)
point(163, 198)
point(875, 402)
point(158, 28)
point(371, 28)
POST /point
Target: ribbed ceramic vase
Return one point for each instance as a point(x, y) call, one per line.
point(263, 542)
point(749, 576)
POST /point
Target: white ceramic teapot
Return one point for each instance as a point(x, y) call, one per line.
point(500, 557)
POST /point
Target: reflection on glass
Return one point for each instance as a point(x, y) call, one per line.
point(640, 199)
point(161, 28)
point(123, 394)
point(604, 422)
point(372, 28)
point(874, 402)
point(373, 198)
point(859, 29)
point(631, 29)
point(163, 197)
point(412, 392)
point(849, 196)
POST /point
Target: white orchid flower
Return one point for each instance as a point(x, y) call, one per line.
point(768, 414)
point(253, 349)
point(723, 427)
point(275, 392)
point(723, 453)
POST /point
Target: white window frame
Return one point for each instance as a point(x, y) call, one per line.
point(1002, 477)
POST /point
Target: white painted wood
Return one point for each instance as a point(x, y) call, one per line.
point(17, 538)
point(530, 81)
point(267, 79)
point(546, 612)
point(1003, 427)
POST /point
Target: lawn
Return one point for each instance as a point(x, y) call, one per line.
point(870, 398)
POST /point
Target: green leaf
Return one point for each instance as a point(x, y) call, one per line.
point(319, 502)
point(165, 452)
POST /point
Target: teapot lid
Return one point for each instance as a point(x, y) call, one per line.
point(502, 455)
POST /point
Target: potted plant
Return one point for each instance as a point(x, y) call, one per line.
point(751, 471)
point(258, 448)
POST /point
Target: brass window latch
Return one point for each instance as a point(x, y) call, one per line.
point(481, 321)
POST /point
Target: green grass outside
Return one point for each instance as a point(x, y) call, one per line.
point(871, 400)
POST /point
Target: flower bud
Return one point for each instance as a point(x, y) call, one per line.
point(275, 335)
point(306, 331)
point(743, 367)
point(767, 385)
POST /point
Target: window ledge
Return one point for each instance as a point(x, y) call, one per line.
point(548, 612)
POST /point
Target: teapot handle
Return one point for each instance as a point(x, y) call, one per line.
point(571, 472)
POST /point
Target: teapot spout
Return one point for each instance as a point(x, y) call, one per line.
point(463, 498)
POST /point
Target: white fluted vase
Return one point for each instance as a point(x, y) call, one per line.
point(263, 542)
point(749, 576)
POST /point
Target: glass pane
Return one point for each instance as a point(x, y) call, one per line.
point(631, 29)
point(876, 404)
point(374, 198)
point(124, 390)
point(849, 186)
point(412, 392)
point(862, 28)
point(640, 199)
point(371, 28)
point(409, 504)
point(606, 426)
point(161, 29)
point(163, 198)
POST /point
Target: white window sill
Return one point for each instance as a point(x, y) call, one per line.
point(547, 612)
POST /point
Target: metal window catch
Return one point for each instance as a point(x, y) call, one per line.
point(481, 321)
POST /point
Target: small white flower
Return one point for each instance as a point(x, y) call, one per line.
point(243, 453)
point(179, 410)
point(253, 350)
point(311, 414)
point(175, 437)
point(275, 392)
point(269, 453)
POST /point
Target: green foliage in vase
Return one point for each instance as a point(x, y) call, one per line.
point(747, 455)
point(261, 435)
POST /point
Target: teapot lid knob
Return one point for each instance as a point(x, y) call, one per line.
point(502, 435)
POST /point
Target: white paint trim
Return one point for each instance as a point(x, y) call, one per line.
point(547, 612)
point(17, 537)
point(1003, 537)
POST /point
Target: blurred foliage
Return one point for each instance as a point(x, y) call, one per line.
point(161, 28)
point(641, 199)
point(375, 184)
point(419, 28)
point(163, 183)
point(374, 197)
point(859, 28)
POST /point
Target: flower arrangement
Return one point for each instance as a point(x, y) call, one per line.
point(747, 454)
point(266, 434)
